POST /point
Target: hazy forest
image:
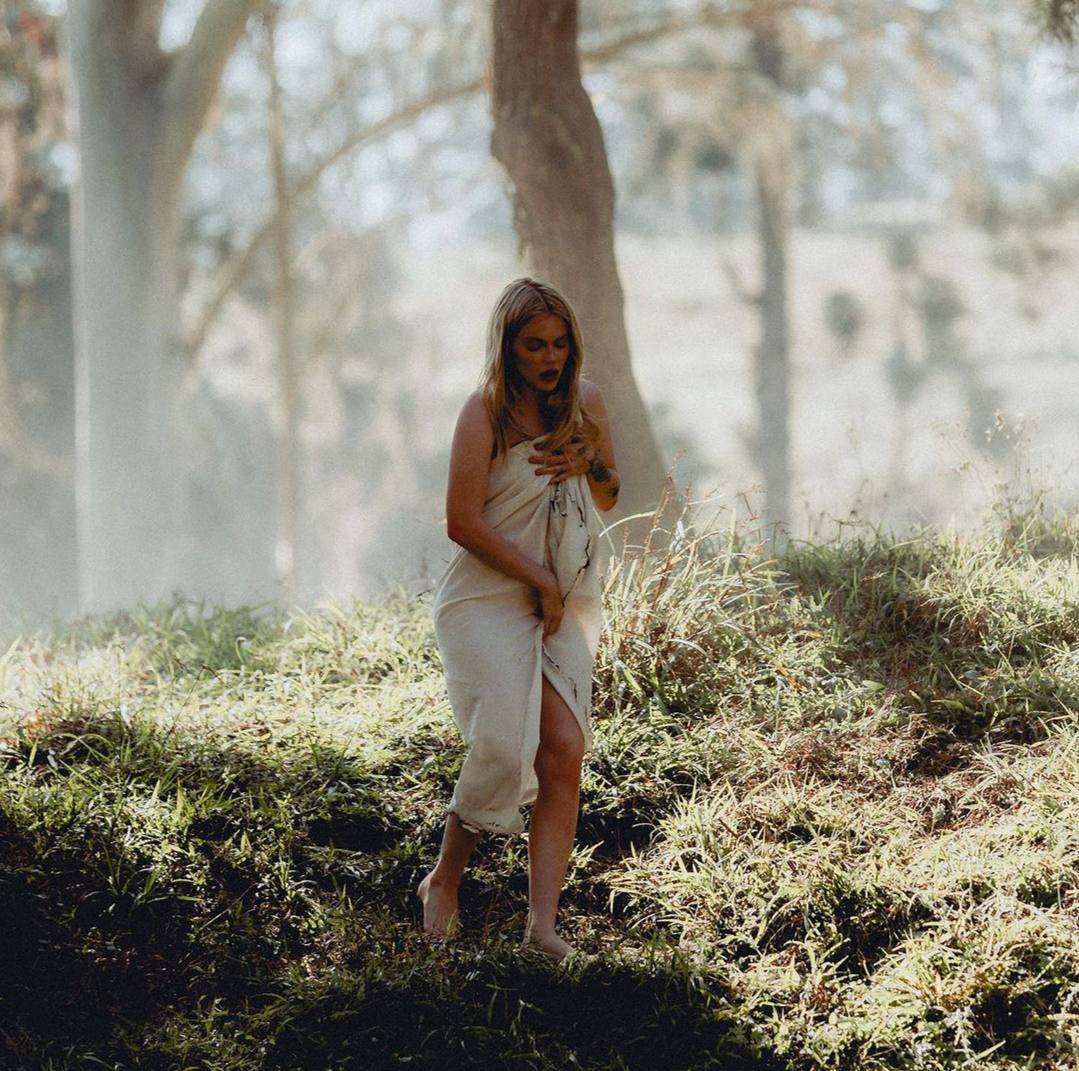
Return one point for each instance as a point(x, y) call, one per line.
point(825, 256)
point(826, 262)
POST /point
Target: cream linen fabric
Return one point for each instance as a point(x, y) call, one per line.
point(491, 639)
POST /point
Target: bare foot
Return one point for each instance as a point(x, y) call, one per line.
point(549, 943)
point(440, 913)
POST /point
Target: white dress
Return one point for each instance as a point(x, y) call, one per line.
point(491, 638)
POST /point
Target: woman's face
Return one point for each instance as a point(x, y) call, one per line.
point(541, 349)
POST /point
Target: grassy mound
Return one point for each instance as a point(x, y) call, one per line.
point(831, 821)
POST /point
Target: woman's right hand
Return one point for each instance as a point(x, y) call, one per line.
point(550, 604)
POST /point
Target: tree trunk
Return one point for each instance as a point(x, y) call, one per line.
point(138, 110)
point(125, 230)
point(771, 156)
point(548, 138)
point(772, 367)
point(286, 438)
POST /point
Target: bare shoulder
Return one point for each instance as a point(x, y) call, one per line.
point(592, 398)
point(473, 405)
point(591, 395)
point(474, 421)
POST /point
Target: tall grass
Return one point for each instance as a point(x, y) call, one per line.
point(831, 821)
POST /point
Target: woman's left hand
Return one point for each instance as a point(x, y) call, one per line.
point(573, 459)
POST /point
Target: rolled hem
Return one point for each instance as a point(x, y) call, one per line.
point(486, 827)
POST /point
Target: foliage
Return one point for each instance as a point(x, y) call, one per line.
point(830, 821)
point(1058, 18)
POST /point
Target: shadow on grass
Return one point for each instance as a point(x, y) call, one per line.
point(496, 1010)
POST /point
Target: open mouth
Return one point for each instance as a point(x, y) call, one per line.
point(549, 377)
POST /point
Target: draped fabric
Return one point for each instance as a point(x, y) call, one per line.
point(491, 640)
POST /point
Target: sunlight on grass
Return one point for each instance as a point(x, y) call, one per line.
point(830, 821)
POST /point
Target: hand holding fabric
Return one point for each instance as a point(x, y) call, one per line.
point(574, 459)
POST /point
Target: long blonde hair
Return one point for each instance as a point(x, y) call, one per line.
point(562, 410)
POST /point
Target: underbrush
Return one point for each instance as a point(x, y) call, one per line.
point(831, 820)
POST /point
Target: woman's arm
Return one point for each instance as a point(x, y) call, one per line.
point(466, 492)
point(583, 456)
point(603, 478)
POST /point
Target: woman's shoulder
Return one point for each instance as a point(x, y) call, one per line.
point(474, 402)
point(473, 424)
point(476, 416)
point(591, 396)
point(475, 410)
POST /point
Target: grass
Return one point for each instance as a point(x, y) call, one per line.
point(831, 821)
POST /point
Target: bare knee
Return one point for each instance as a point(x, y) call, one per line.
point(561, 743)
point(559, 756)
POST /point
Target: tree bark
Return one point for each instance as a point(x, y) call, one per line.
point(549, 140)
point(772, 367)
point(137, 112)
point(286, 431)
point(771, 156)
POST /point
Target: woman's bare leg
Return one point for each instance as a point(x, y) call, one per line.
point(554, 819)
point(438, 890)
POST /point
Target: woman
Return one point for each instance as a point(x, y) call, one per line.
point(518, 610)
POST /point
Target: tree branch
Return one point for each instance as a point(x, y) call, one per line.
point(195, 73)
point(1058, 19)
point(237, 265)
point(137, 28)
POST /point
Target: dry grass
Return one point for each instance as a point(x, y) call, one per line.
point(830, 822)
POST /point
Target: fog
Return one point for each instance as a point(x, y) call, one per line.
point(879, 201)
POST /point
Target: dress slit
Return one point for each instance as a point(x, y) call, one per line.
point(558, 683)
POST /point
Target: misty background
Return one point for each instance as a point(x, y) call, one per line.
point(249, 251)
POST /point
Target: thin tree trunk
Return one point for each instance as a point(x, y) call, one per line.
point(548, 138)
point(286, 439)
point(772, 156)
point(772, 367)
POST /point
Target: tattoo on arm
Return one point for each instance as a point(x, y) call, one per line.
point(598, 471)
point(597, 468)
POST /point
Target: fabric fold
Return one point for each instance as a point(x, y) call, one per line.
point(490, 638)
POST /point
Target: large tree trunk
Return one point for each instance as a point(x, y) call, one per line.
point(125, 231)
point(138, 111)
point(548, 138)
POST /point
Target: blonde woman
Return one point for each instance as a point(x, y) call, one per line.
point(517, 612)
